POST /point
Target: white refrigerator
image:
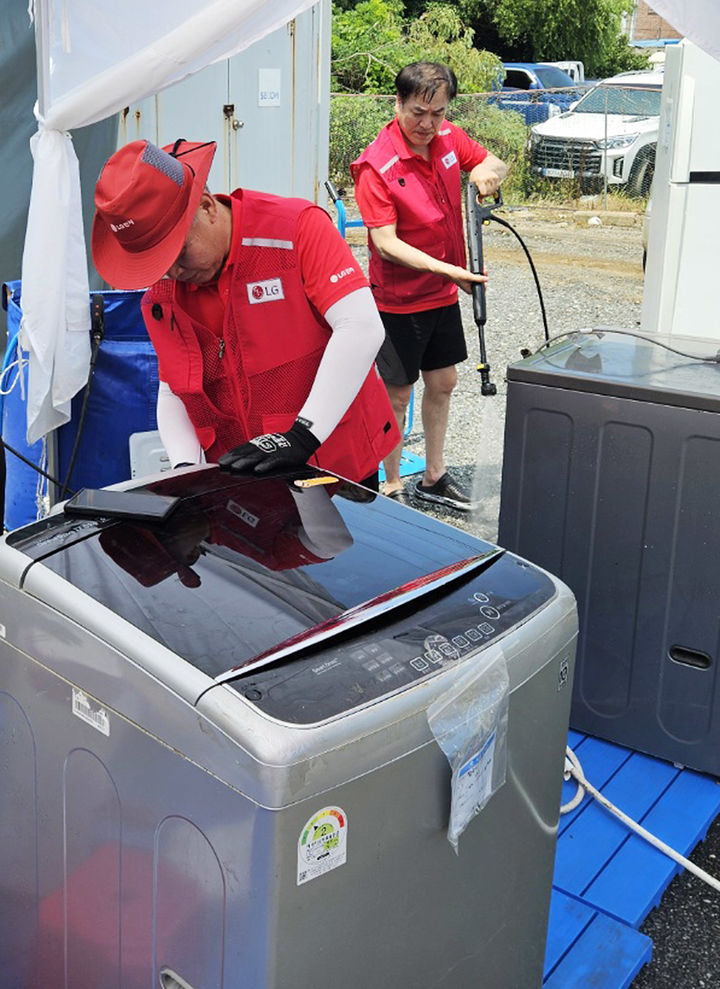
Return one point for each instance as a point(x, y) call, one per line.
point(681, 296)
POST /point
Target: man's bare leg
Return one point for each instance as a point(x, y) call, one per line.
point(439, 386)
point(399, 399)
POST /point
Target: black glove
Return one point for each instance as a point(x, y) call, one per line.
point(272, 451)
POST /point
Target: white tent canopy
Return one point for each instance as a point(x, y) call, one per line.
point(697, 20)
point(94, 59)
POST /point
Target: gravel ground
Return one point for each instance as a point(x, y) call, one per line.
point(684, 928)
point(590, 275)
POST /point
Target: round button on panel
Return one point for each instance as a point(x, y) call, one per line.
point(489, 612)
point(481, 598)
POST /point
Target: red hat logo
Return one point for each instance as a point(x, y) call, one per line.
point(257, 292)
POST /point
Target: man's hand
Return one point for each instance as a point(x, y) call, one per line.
point(488, 185)
point(488, 175)
point(462, 277)
point(272, 451)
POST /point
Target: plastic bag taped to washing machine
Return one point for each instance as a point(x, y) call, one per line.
point(469, 723)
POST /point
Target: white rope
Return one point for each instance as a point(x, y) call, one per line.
point(19, 363)
point(574, 769)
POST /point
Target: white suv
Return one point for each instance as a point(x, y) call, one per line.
point(612, 131)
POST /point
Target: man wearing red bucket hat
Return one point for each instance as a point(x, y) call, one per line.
point(264, 326)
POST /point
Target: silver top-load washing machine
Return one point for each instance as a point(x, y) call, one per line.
point(222, 753)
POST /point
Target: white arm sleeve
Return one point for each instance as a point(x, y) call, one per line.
point(357, 334)
point(176, 431)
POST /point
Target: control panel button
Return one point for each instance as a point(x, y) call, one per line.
point(419, 664)
point(490, 612)
point(485, 628)
point(482, 598)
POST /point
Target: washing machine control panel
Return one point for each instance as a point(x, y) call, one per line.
point(400, 649)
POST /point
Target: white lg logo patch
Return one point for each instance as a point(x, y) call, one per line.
point(267, 291)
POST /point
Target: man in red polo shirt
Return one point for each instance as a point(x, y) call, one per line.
point(264, 326)
point(407, 186)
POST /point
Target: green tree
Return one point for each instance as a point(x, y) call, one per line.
point(620, 57)
point(366, 47)
point(355, 120)
point(557, 29)
point(439, 35)
point(549, 30)
point(372, 42)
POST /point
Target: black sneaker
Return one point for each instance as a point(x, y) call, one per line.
point(445, 492)
point(399, 494)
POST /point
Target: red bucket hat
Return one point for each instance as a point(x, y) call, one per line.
point(145, 201)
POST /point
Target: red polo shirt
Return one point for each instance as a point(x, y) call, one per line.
point(321, 254)
point(378, 209)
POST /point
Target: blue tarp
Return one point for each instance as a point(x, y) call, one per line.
point(122, 401)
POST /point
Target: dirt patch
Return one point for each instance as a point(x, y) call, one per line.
point(544, 259)
point(605, 248)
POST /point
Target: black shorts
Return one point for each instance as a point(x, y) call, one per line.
point(420, 341)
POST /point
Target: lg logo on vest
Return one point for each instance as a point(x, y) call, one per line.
point(267, 291)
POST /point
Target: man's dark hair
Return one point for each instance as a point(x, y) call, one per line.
point(424, 79)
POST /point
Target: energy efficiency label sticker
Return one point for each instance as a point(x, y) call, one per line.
point(322, 845)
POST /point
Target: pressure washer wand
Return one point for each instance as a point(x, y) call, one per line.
point(476, 215)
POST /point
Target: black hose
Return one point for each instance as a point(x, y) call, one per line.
point(504, 223)
point(97, 331)
point(35, 467)
point(599, 331)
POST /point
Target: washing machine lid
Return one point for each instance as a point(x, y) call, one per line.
point(609, 362)
point(249, 569)
point(412, 634)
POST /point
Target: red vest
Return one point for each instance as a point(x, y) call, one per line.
point(256, 377)
point(429, 216)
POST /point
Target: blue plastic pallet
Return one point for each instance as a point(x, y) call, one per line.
point(410, 463)
point(587, 948)
point(607, 879)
